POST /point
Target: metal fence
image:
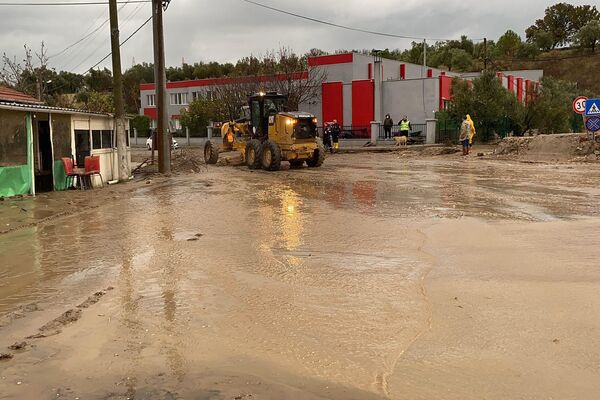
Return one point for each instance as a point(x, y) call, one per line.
point(362, 132)
point(417, 133)
point(448, 131)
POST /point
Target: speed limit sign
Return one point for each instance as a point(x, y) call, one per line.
point(579, 104)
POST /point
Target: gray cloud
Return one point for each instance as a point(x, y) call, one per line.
point(226, 30)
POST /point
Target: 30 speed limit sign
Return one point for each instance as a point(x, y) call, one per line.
point(579, 104)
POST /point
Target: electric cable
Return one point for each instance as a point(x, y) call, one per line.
point(279, 10)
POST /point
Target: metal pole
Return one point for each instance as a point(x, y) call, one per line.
point(187, 136)
point(120, 130)
point(485, 54)
point(162, 139)
point(424, 70)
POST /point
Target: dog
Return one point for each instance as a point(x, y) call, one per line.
point(401, 140)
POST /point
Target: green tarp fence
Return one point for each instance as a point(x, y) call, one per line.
point(59, 176)
point(15, 180)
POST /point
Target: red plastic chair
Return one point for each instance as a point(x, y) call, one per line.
point(92, 167)
point(69, 171)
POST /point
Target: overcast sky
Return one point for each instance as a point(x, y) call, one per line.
point(226, 30)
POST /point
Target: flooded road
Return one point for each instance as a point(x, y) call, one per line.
point(373, 277)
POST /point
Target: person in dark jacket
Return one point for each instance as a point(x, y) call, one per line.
point(388, 123)
point(327, 138)
point(336, 131)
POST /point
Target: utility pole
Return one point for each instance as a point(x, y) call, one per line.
point(485, 54)
point(424, 70)
point(160, 79)
point(120, 130)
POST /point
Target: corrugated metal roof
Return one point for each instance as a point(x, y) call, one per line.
point(8, 94)
point(42, 108)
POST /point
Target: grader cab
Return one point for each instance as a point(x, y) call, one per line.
point(270, 135)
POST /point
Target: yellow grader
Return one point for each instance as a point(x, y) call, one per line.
point(270, 135)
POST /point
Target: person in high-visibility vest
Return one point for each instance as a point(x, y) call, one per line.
point(404, 126)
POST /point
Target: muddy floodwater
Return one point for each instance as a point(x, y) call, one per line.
point(376, 276)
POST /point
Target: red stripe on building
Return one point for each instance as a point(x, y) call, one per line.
point(430, 73)
point(333, 102)
point(227, 81)
point(363, 103)
point(150, 112)
point(511, 83)
point(402, 71)
point(520, 89)
point(330, 60)
point(445, 89)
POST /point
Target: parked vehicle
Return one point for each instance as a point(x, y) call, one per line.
point(174, 144)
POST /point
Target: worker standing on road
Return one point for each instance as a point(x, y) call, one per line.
point(327, 137)
point(465, 134)
point(388, 123)
point(472, 133)
point(336, 131)
point(404, 126)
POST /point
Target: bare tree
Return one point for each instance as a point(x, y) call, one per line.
point(29, 75)
point(280, 71)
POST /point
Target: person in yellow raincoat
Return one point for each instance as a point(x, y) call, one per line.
point(472, 133)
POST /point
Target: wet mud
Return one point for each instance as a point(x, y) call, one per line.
point(376, 276)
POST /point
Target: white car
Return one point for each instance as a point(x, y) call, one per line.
point(174, 144)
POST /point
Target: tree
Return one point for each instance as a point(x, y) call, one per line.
point(508, 44)
point(485, 99)
point(141, 124)
point(99, 80)
point(460, 60)
point(543, 40)
point(96, 101)
point(562, 21)
point(25, 77)
point(589, 35)
point(551, 110)
point(198, 115)
point(132, 78)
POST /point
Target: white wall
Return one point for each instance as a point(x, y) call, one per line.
point(405, 97)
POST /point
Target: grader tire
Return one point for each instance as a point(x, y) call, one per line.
point(270, 156)
point(211, 152)
point(318, 156)
point(253, 154)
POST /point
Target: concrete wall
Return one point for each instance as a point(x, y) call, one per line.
point(405, 97)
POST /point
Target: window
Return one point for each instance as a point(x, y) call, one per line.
point(196, 95)
point(102, 139)
point(177, 124)
point(210, 95)
point(179, 99)
point(107, 139)
point(151, 99)
point(96, 139)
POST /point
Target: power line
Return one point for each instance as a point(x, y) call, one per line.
point(122, 43)
point(96, 49)
point(78, 3)
point(109, 54)
point(279, 10)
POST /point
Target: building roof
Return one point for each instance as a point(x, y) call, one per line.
point(303, 75)
point(8, 94)
point(7, 105)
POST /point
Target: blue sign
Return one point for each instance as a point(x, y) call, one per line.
point(593, 124)
point(592, 108)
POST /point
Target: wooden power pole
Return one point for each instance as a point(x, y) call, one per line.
point(120, 130)
point(160, 78)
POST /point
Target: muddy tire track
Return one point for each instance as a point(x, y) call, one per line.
point(55, 326)
point(381, 381)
